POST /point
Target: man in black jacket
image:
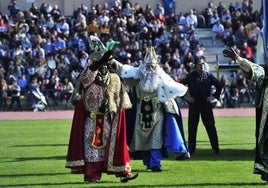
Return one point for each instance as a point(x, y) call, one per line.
point(199, 97)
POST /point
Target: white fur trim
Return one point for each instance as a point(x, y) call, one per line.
point(170, 89)
point(128, 71)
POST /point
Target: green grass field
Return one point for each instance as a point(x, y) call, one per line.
point(32, 154)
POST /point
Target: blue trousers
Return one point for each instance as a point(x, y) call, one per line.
point(152, 158)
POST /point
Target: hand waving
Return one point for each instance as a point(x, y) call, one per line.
point(230, 53)
point(104, 60)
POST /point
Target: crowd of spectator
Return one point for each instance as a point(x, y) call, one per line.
point(44, 46)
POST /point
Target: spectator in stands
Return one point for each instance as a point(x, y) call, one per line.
point(13, 9)
point(236, 23)
point(228, 38)
point(208, 12)
point(4, 47)
point(246, 51)
point(214, 18)
point(234, 93)
point(225, 94)
point(35, 11)
point(127, 11)
point(242, 84)
point(184, 46)
point(83, 9)
point(103, 18)
point(218, 31)
point(46, 89)
point(189, 32)
point(3, 91)
point(59, 44)
point(159, 10)
point(245, 17)
point(180, 72)
point(84, 59)
point(240, 36)
point(3, 27)
point(144, 36)
point(194, 42)
point(188, 62)
point(226, 16)
point(116, 9)
point(105, 8)
point(149, 14)
point(138, 10)
point(80, 23)
point(200, 51)
point(237, 6)
point(26, 46)
point(253, 30)
point(48, 10)
point(174, 42)
point(231, 8)
point(23, 83)
point(16, 52)
point(181, 19)
point(23, 29)
point(62, 27)
point(221, 9)
point(191, 19)
point(51, 62)
point(42, 22)
point(250, 7)
point(57, 91)
point(105, 32)
point(47, 46)
point(67, 90)
point(39, 52)
point(93, 27)
point(56, 12)
point(15, 95)
point(244, 5)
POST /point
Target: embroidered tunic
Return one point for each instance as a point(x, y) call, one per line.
point(104, 129)
point(258, 75)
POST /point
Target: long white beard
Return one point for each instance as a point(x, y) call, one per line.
point(149, 81)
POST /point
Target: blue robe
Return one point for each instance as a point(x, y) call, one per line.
point(174, 138)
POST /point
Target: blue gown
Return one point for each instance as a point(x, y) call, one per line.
point(174, 138)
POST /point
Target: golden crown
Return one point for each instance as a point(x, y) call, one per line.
point(150, 56)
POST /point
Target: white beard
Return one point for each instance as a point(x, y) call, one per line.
point(149, 79)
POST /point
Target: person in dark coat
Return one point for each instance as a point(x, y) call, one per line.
point(199, 97)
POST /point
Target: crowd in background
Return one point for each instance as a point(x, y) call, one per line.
point(41, 47)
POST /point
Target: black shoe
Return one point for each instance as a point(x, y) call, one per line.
point(264, 177)
point(217, 152)
point(129, 176)
point(156, 169)
point(184, 156)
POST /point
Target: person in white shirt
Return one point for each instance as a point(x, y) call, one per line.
point(159, 10)
point(218, 31)
point(191, 19)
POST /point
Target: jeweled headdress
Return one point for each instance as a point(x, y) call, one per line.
point(97, 48)
point(150, 56)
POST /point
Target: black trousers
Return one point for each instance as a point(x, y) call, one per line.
point(204, 109)
point(13, 100)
